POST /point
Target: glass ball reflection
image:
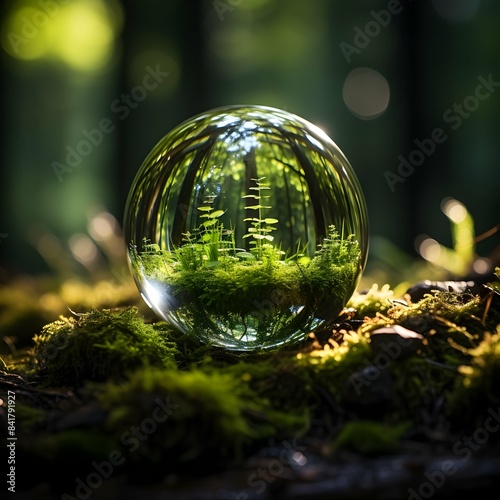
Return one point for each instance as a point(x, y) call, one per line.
point(246, 226)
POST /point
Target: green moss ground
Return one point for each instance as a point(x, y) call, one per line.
point(84, 382)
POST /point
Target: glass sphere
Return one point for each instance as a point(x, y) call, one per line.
point(246, 226)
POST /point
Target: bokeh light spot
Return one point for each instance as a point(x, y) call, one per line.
point(454, 210)
point(430, 250)
point(83, 248)
point(366, 93)
point(80, 33)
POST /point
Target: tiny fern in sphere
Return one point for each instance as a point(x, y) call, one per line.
point(246, 227)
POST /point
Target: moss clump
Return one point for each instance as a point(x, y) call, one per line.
point(98, 345)
point(478, 384)
point(369, 437)
point(211, 416)
point(332, 364)
point(27, 304)
point(454, 326)
point(221, 409)
point(484, 372)
point(451, 323)
point(302, 384)
point(373, 301)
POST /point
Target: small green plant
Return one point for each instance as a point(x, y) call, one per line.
point(213, 233)
point(208, 242)
point(248, 296)
point(336, 248)
point(261, 227)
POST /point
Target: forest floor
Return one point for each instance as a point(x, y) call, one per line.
point(400, 398)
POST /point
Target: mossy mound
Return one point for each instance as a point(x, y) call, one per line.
point(99, 345)
point(189, 415)
point(26, 305)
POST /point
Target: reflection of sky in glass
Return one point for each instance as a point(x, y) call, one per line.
point(241, 143)
point(248, 126)
point(275, 120)
point(227, 120)
point(242, 139)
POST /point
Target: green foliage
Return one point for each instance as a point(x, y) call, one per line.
point(98, 345)
point(375, 300)
point(478, 385)
point(260, 293)
point(262, 226)
point(337, 249)
point(211, 245)
point(456, 367)
point(208, 242)
point(457, 260)
point(331, 366)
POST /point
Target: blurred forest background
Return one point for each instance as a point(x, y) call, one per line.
point(378, 76)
